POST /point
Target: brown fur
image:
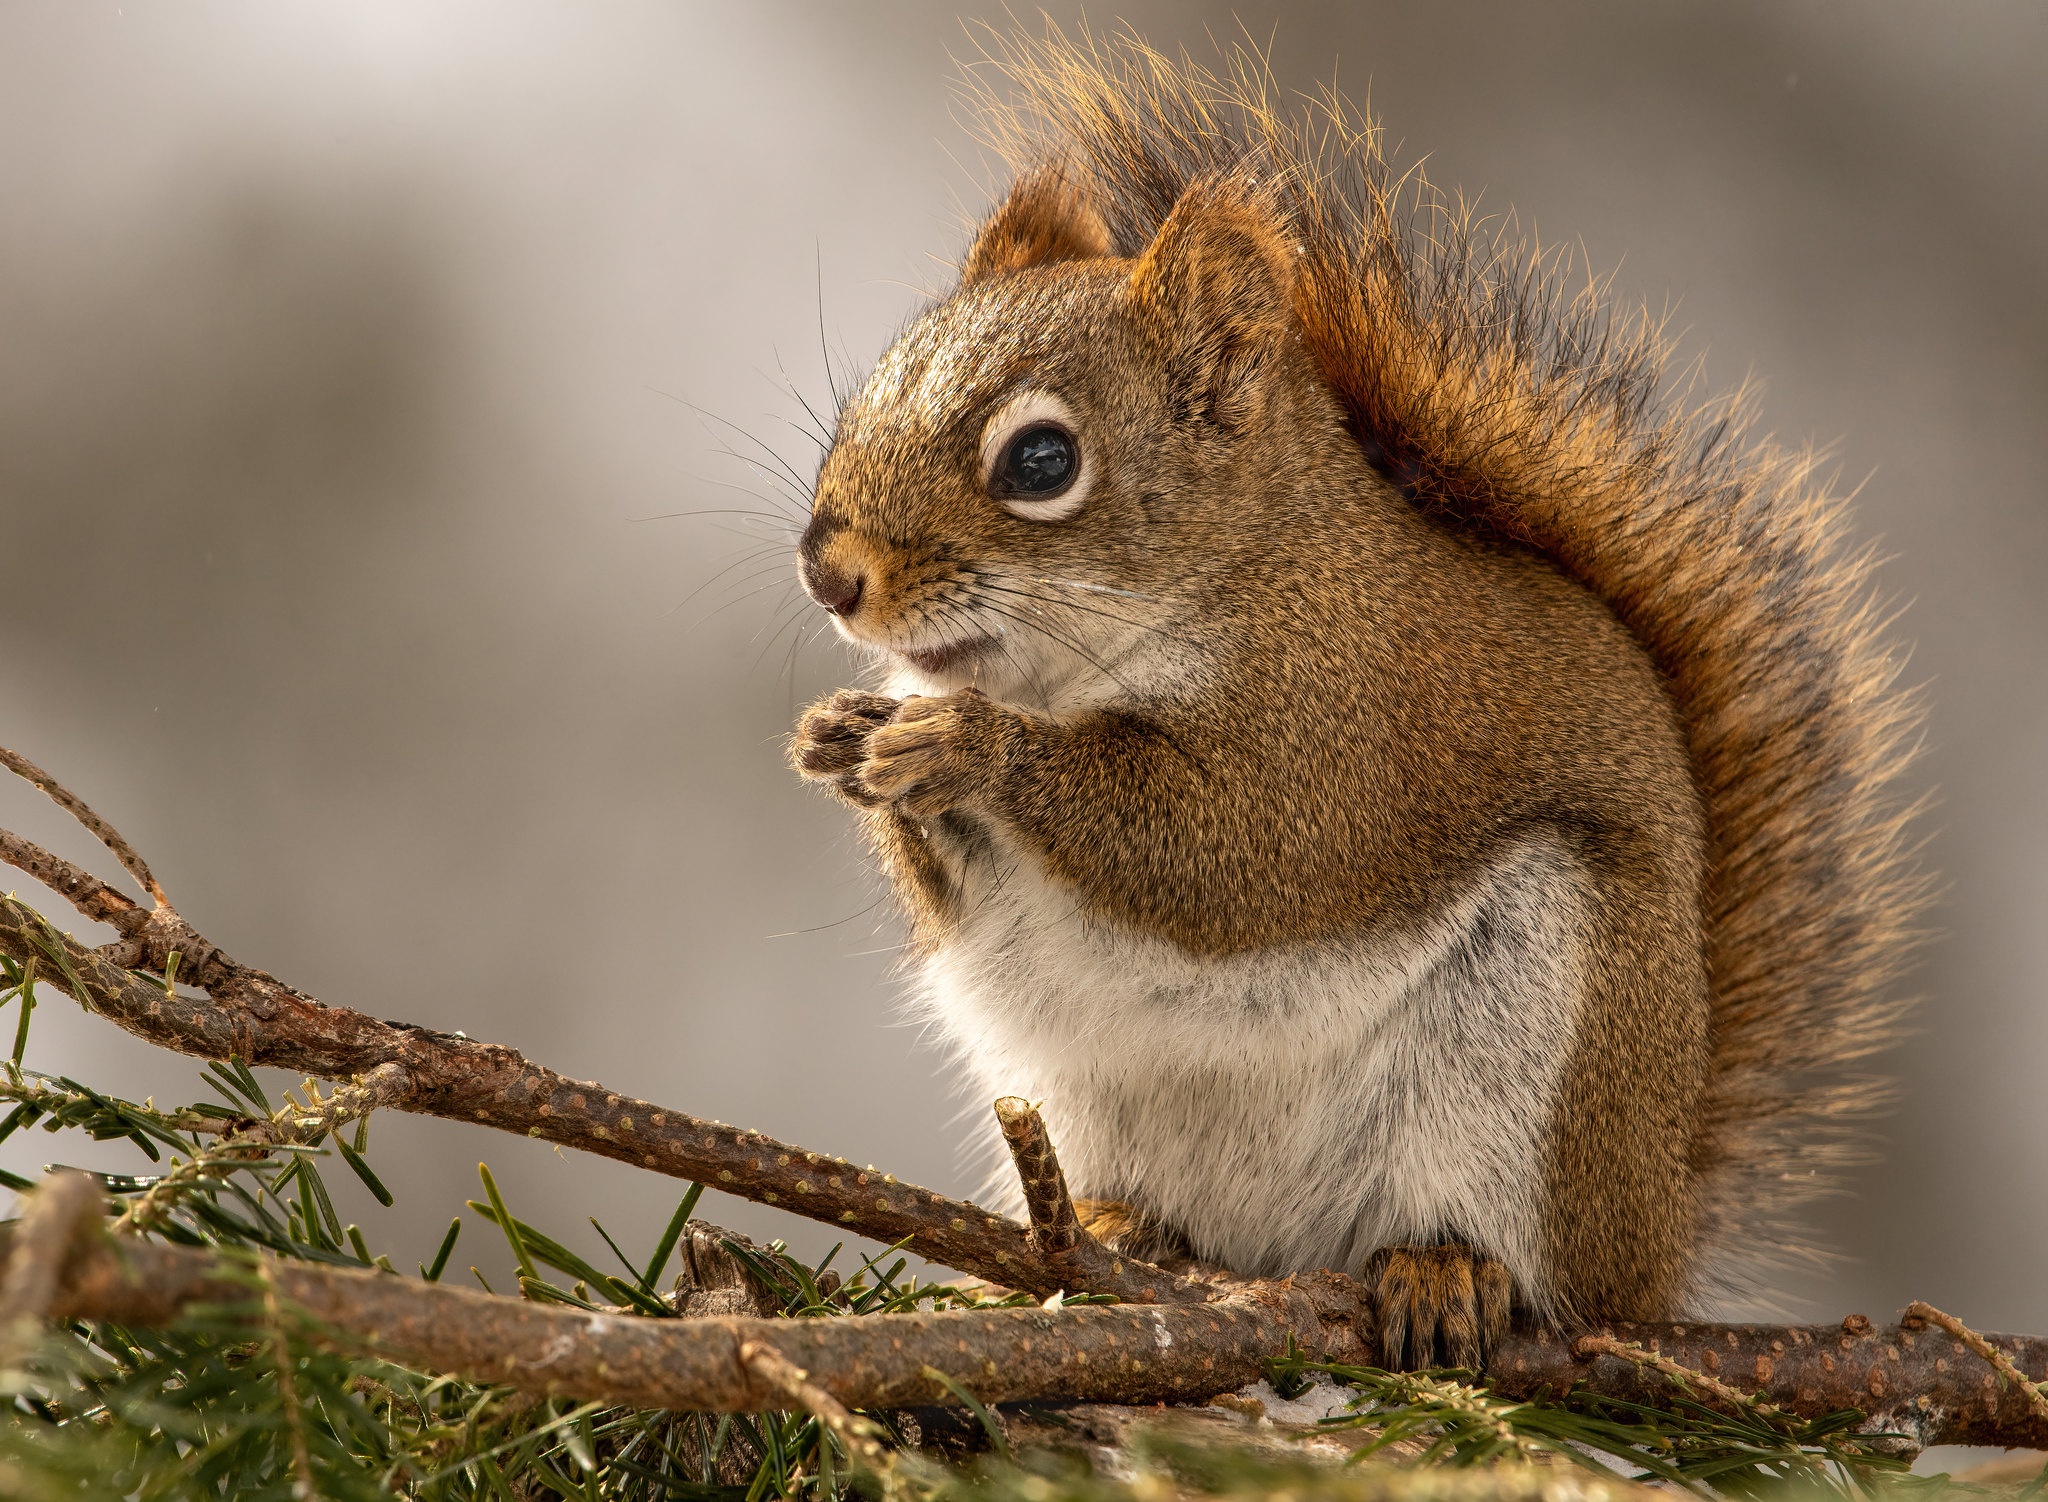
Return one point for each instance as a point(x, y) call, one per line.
point(1459, 578)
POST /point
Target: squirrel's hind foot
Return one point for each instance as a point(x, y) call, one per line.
point(1437, 1306)
point(1123, 1227)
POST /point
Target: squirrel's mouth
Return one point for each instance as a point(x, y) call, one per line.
point(946, 656)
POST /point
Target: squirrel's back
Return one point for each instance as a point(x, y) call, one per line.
point(1493, 396)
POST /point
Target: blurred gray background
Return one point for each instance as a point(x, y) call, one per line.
point(349, 356)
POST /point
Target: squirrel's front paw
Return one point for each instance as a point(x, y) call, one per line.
point(1437, 1306)
point(832, 740)
point(934, 754)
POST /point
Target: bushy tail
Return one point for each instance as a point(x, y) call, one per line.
point(1482, 384)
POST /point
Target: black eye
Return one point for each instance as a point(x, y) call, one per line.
point(1040, 461)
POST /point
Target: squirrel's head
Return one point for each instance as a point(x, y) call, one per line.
point(1032, 479)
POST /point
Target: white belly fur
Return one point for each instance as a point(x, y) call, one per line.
point(1294, 1108)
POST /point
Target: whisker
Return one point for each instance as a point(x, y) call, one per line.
point(785, 620)
point(1050, 635)
point(818, 928)
point(796, 508)
point(776, 567)
point(801, 431)
point(824, 434)
point(741, 562)
point(796, 645)
point(777, 493)
point(705, 415)
point(982, 583)
point(960, 613)
point(1101, 589)
point(824, 348)
point(713, 614)
point(672, 516)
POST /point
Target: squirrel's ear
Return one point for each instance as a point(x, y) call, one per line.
point(1044, 218)
point(1217, 285)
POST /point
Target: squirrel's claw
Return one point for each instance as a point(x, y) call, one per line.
point(1437, 1306)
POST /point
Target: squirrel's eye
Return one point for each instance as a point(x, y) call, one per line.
point(1032, 464)
point(1039, 463)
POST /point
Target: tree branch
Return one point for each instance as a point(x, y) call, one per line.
point(1115, 1353)
point(1926, 1385)
point(1904, 1377)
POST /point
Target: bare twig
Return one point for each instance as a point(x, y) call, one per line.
point(1902, 1378)
point(291, 1125)
point(1054, 1227)
point(80, 810)
point(856, 1435)
point(1061, 1242)
point(1114, 1353)
point(1586, 1347)
point(2002, 1363)
point(155, 938)
point(84, 891)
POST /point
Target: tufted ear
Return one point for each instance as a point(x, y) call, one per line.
point(1044, 218)
point(1217, 286)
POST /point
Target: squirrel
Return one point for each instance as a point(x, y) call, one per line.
point(1408, 793)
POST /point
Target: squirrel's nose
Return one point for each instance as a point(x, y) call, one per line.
point(839, 592)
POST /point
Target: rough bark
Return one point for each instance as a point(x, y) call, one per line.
point(1075, 1260)
point(1923, 1382)
point(1110, 1353)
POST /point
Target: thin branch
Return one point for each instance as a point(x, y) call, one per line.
point(80, 810)
point(2000, 1362)
point(856, 1435)
point(1588, 1346)
point(85, 891)
point(1057, 1235)
point(1903, 1377)
point(1054, 1226)
point(155, 938)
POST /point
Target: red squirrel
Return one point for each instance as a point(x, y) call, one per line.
point(1404, 794)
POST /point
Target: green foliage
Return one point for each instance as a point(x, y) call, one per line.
point(250, 1400)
